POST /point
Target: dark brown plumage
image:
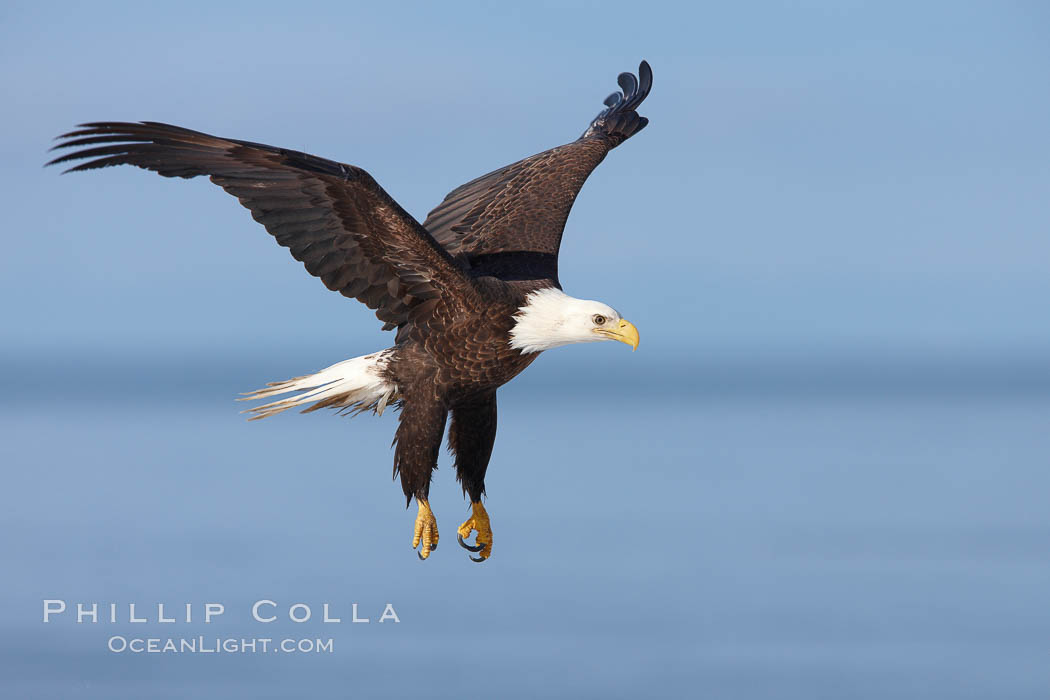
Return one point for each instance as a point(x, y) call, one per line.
point(509, 222)
point(452, 287)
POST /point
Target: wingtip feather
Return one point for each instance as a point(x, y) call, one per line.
point(619, 121)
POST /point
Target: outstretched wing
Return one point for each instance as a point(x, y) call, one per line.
point(509, 223)
point(334, 218)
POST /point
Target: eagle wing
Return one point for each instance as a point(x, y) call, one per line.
point(509, 222)
point(333, 217)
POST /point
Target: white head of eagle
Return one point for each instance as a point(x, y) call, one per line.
point(551, 318)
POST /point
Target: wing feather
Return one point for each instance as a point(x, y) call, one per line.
point(509, 223)
point(333, 217)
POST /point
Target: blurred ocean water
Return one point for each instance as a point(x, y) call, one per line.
point(737, 538)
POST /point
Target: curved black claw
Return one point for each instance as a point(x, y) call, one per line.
point(470, 547)
point(420, 556)
point(478, 559)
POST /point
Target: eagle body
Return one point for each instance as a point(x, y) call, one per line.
point(473, 291)
point(471, 353)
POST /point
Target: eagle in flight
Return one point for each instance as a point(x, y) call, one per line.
point(472, 292)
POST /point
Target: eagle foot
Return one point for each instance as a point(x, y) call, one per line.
point(426, 530)
point(478, 521)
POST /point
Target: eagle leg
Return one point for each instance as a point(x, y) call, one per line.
point(426, 529)
point(479, 522)
point(470, 438)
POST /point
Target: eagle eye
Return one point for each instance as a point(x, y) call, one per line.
point(598, 319)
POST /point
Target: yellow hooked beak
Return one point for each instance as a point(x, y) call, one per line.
point(625, 332)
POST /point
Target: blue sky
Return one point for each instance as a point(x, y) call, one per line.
point(821, 179)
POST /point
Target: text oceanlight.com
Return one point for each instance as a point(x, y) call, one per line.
point(216, 645)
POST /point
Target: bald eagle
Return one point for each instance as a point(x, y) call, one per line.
point(473, 292)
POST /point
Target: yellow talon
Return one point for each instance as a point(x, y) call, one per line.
point(478, 521)
point(426, 529)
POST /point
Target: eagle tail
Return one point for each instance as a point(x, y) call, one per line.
point(352, 386)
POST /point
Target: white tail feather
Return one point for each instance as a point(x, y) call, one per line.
point(353, 386)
